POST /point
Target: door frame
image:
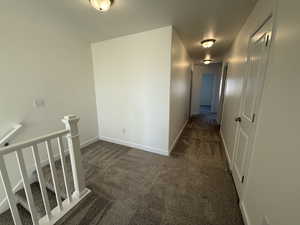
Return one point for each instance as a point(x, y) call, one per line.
point(249, 153)
point(223, 82)
point(191, 92)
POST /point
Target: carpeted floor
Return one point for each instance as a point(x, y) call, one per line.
point(132, 187)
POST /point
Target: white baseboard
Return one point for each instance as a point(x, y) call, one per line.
point(4, 204)
point(244, 214)
point(57, 156)
point(134, 145)
point(226, 150)
point(89, 142)
point(177, 137)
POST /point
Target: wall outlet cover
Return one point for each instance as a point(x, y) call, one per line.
point(39, 102)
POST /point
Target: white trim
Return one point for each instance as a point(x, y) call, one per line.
point(245, 214)
point(178, 136)
point(7, 136)
point(4, 204)
point(67, 207)
point(89, 142)
point(226, 150)
point(57, 156)
point(134, 145)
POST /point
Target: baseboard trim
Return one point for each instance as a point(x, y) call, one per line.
point(57, 156)
point(4, 204)
point(89, 142)
point(226, 150)
point(134, 145)
point(244, 214)
point(178, 136)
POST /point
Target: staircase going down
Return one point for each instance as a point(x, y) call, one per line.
point(6, 217)
point(52, 191)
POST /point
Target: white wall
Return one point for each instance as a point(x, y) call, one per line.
point(236, 70)
point(42, 57)
point(132, 82)
point(179, 89)
point(199, 70)
point(273, 184)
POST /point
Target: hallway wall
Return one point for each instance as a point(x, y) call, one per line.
point(272, 186)
point(179, 88)
point(42, 57)
point(237, 58)
point(132, 82)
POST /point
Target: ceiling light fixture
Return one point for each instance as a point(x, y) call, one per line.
point(101, 5)
point(208, 43)
point(207, 61)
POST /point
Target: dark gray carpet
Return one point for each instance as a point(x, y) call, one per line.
point(133, 187)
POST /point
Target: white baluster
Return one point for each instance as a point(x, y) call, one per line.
point(41, 181)
point(9, 193)
point(64, 167)
point(71, 122)
point(27, 187)
point(54, 174)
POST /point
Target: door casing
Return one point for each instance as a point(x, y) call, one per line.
point(246, 129)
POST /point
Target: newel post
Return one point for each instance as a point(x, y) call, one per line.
point(71, 123)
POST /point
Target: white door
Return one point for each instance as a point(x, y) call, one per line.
point(259, 45)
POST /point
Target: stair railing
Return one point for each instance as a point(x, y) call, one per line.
point(7, 136)
point(52, 216)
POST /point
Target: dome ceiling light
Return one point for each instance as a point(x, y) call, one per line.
point(101, 5)
point(207, 61)
point(208, 43)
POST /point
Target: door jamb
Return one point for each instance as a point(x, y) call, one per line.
point(251, 150)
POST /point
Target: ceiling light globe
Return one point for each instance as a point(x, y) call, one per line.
point(208, 43)
point(207, 61)
point(101, 5)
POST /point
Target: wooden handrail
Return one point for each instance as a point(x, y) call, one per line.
point(9, 134)
point(26, 144)
point(72, 134)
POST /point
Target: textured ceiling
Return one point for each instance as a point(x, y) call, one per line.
point(194, 20)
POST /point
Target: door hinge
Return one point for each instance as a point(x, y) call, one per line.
point(243, 178)
point(253, 117)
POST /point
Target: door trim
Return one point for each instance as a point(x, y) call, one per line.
point(249, 154)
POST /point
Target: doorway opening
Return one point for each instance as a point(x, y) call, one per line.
point(206, 91)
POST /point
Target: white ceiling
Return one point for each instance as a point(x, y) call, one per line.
point(194, 20)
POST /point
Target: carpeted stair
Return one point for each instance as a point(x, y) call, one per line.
point(6, 217)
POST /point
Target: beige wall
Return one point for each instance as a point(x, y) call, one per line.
point(132, 81)
point(273, 184)
point(179, 89)
point(236, 70)
point(42, 58)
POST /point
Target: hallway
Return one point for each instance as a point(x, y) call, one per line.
point(132, 187)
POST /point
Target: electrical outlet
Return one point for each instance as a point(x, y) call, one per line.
point(38, 103)
point(266, 221)
point(124, 131)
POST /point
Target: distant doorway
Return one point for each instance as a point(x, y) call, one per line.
point(206, 92)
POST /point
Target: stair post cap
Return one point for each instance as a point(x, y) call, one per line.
point(71, 117)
